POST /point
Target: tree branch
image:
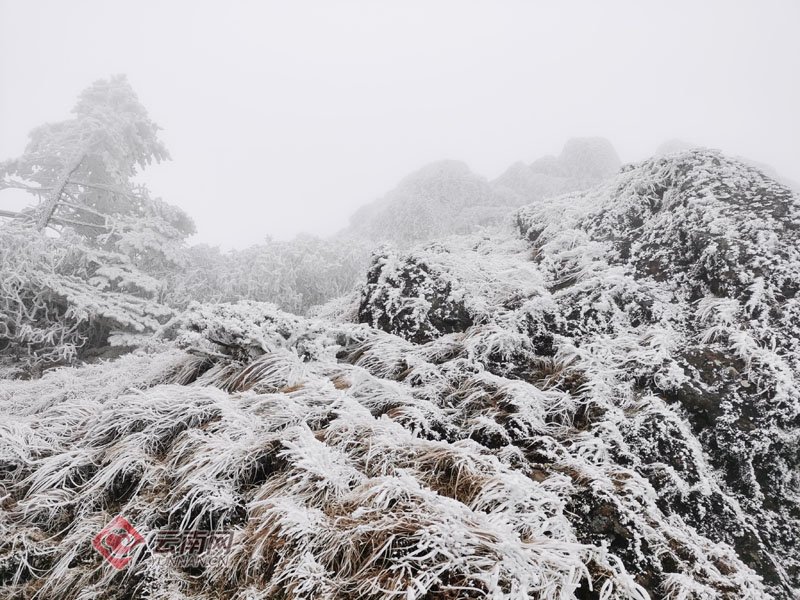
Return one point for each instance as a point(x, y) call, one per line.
point(13, 214)
point(58, 188)
point(18, 185)
point(78, 223)
point(81, 207)
point(100, 186)
point(54, 219)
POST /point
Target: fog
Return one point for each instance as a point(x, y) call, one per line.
point(285, 117)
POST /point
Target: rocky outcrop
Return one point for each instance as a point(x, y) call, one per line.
point(709, 246)
point(686, 264)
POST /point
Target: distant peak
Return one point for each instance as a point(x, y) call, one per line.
point(592, 157)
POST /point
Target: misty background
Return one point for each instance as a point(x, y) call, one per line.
point(284, 118)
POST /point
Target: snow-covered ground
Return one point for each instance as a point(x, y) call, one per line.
point(598, 402)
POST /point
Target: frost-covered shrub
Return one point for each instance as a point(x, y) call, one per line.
point(447, 286)
point(407, 299)
point(296, 275)
point(60, 299)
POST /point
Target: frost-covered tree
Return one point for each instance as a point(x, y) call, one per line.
point(78, 263)
point(82, 171)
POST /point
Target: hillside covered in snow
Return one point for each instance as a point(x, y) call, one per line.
point(446, 197)
point(600, 402)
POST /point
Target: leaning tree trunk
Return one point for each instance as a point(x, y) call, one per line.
point(55, 194)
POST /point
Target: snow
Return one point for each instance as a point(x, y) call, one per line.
point(603, 397)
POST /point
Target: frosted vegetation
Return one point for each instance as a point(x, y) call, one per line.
point(576, 381)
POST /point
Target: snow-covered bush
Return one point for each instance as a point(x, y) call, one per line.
point(296, 274)
point(60, 299)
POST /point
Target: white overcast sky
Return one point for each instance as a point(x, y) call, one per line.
point(283, 117)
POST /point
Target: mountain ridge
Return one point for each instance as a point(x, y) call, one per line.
point(446, 197)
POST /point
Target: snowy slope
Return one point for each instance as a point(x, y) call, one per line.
point(601, 403)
